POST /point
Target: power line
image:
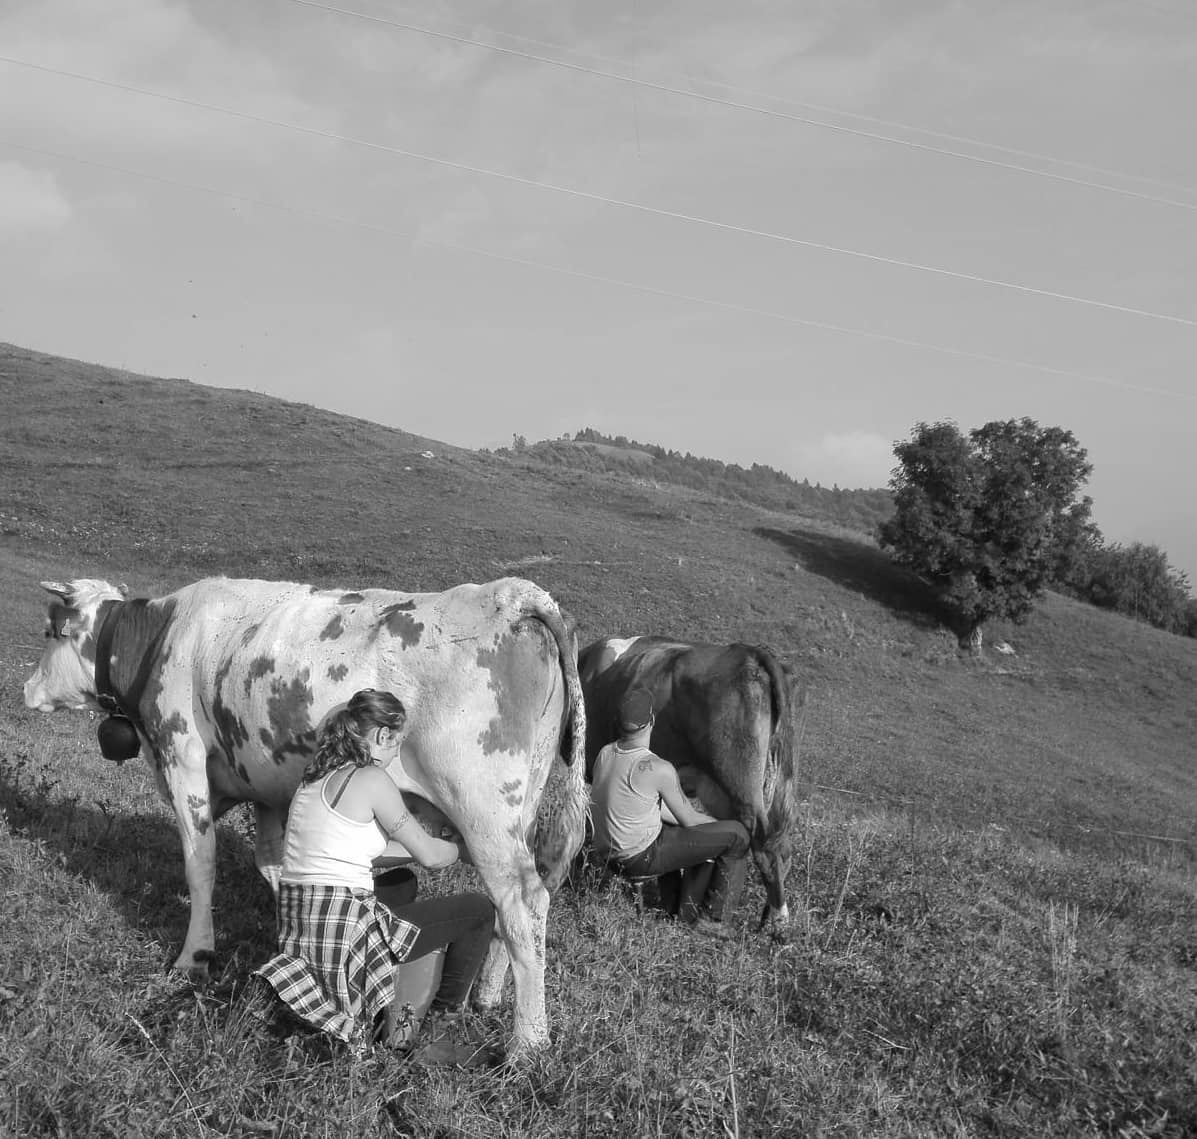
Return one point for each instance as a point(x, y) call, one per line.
point(840, 111)
point(824, 326)
point(1182, 14)
point(691, 94)
point(590, 196)
point(651, 290)
point(215, 191)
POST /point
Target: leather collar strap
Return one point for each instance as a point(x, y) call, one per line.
point(107, 619)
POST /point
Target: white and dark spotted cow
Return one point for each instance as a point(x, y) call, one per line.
point(724, 719)
point(228, 680)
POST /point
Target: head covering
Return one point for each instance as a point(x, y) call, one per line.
point(635, 709)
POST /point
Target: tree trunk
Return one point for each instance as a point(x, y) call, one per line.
point(970, 638)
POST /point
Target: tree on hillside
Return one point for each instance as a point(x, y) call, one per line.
point(988, 518)
point(1137, 580)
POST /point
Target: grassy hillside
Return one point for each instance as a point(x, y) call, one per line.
point(995, 879)
point(858, 510)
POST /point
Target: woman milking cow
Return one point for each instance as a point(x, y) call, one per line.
point(358, 957)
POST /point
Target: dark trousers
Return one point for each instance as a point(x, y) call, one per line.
point(712, 858)
point(461, 924)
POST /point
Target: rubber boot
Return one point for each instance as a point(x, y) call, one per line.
point(446, 1041)
point(695, 882)
point(416, 983)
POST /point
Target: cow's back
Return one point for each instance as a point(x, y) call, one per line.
point(266, 662)
point(713, 704)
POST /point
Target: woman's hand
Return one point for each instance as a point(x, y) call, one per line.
point(395, 854)
point(438, 853)
point(428, 850)
point(406, 836)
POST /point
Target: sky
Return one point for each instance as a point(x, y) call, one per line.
point(781, 233)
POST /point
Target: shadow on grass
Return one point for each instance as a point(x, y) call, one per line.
point(864, 569)
point(137, 860)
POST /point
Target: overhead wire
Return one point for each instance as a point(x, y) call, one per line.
point(842, 112)
point(595, 278)
point(801, 119)
point(591, 196)
point(825, 326)
point(1167, 11)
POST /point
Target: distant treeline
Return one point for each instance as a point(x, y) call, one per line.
point(859, 510)
point(1134, 580)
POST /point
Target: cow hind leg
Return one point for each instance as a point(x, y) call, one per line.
point(781, 870)
point(522, 906)
point(774, 868)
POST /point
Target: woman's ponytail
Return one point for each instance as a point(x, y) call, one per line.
point(344, 736)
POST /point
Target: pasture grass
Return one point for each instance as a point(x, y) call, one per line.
point(935, 981)
point(994, 881)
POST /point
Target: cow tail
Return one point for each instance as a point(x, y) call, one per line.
point(781, 771)
point(561, 815)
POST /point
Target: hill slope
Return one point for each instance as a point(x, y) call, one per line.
point(989, 940)
point(859, 510)
point(1088, 725)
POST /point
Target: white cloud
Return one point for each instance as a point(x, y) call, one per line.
point(30, 201)
point(461, 219)
point(848, 459)
point(145, 45)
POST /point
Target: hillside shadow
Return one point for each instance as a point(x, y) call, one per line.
point(136, 860)
point(865, 570)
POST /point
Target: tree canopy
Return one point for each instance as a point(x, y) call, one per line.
point(988, 518)
point(1136, 580)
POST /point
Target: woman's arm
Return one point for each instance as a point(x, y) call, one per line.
point(428, 850)
point(395, 854)
point(406, 837)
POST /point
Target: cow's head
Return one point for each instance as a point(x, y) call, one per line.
point(66, 674)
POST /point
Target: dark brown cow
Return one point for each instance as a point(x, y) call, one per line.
point(724, 719)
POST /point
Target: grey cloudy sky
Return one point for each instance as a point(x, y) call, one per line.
point(762, 232)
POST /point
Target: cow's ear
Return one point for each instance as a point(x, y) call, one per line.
point(58, 589)
point(123, 589)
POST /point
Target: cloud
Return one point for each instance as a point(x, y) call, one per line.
point(460, 219)
point(30, 201)
point(152, 45)
point(849, 459)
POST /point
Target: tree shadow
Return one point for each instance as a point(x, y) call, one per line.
point(866, 570)
point(137, 861)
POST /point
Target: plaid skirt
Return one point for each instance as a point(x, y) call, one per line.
point(337, 952)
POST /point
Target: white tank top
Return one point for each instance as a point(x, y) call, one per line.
point(326, 848)
point(626, 820)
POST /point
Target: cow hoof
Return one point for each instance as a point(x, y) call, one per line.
point(521, 1053)
point(779, 931)
point(197, 967)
